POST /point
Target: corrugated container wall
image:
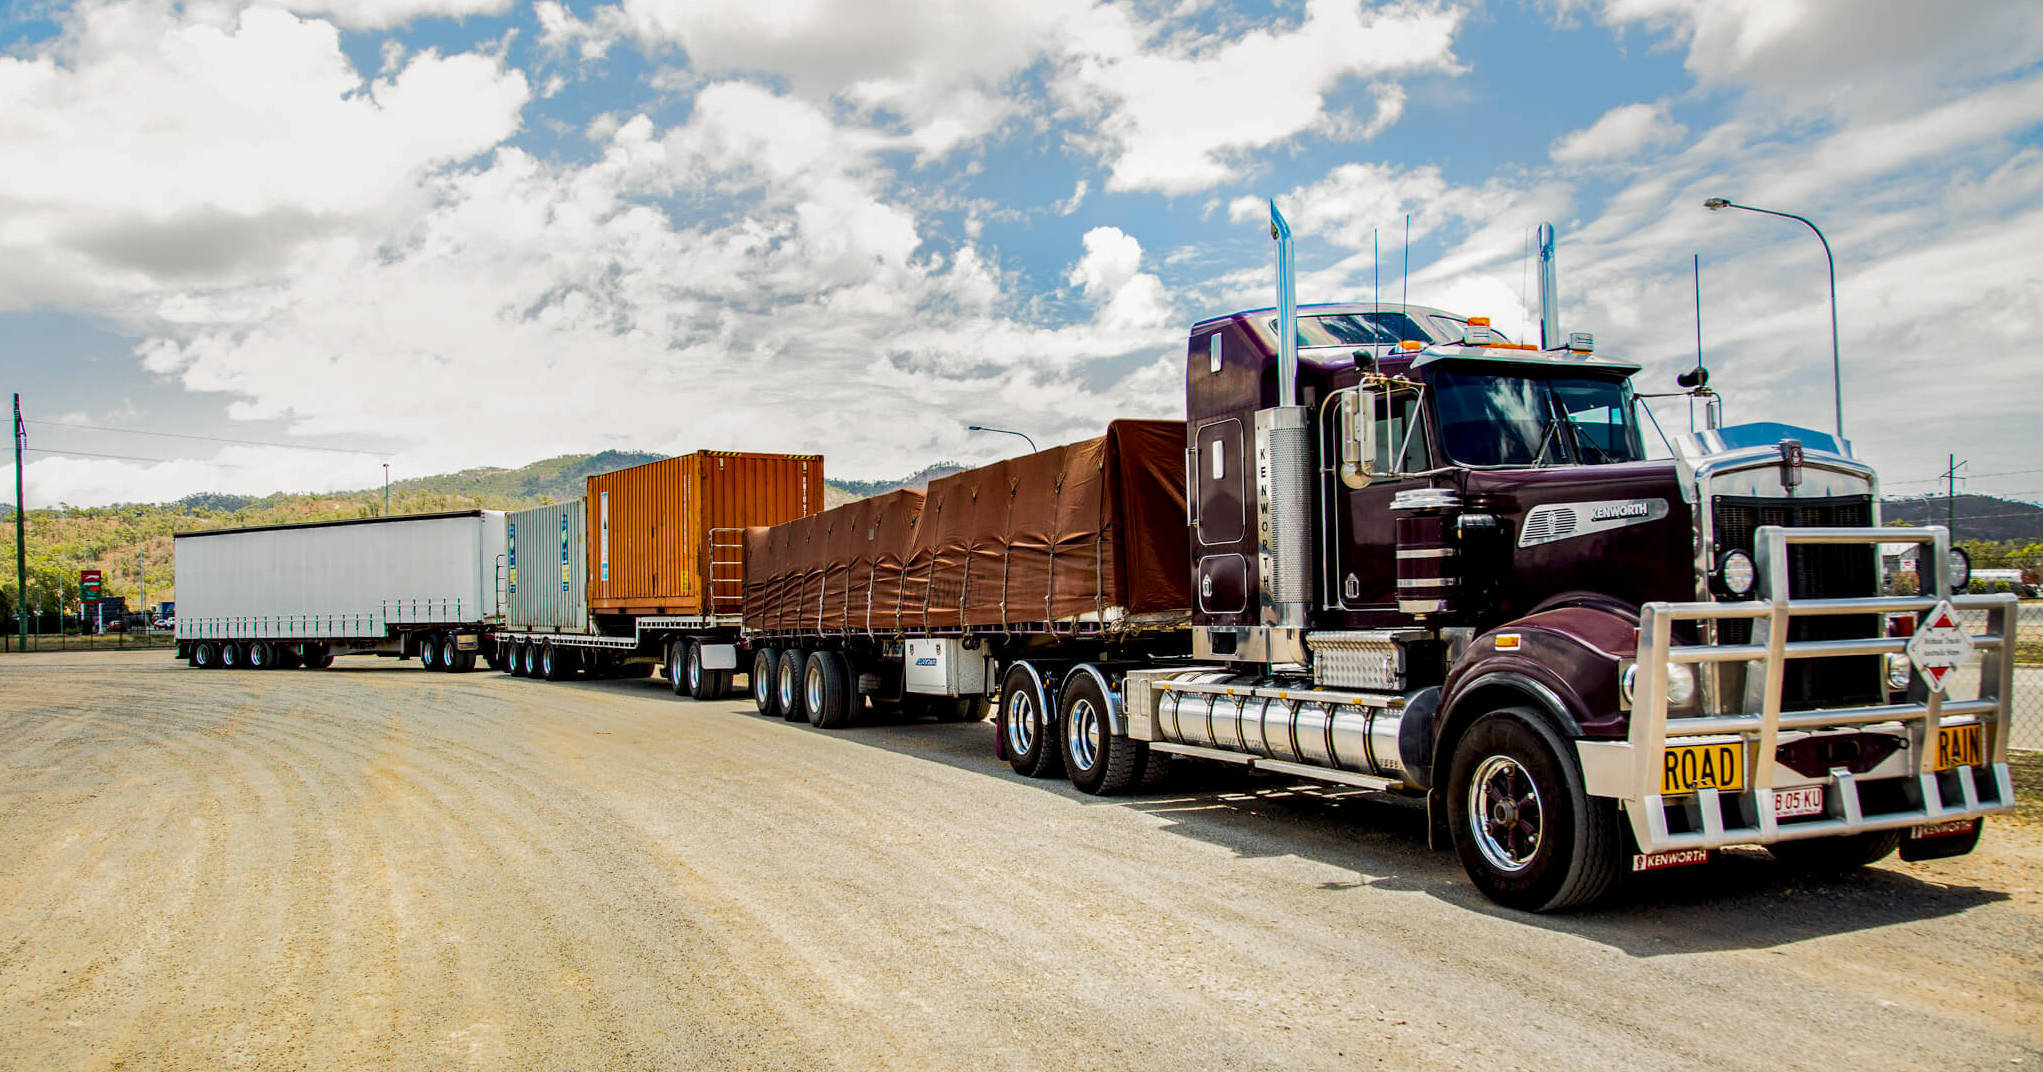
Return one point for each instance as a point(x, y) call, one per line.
point(668, 537)
point(547, 568)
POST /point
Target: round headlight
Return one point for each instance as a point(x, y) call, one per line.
point(1961, 570)
point(1680, 684)
point(1736, 573)
point(1898, 669)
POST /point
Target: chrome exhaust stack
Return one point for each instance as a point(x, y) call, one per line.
point(1283, 445)
point(1550, 337)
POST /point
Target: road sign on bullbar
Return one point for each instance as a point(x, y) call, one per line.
point(1940, 647)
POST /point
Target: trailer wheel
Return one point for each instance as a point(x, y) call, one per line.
point(262, 655)
point(291, 656)
point(461, 662)
point(1838, 855)
point(765, 697)
point(826, 692)
point(702, 684)
point(1028, 732)
point(677, 678)
point(493, 654)
point(1097, 760)
point(1528, 835)
point(719, 684)
point(787, 684)
point(318, 656)
point(205, 656)
point(429, 652)
point(553, 663)
point(233, 656)
point(514, 657)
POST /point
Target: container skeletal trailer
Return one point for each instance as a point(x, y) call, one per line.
point(646, 570)
point(1446, 568)
point(298, 595)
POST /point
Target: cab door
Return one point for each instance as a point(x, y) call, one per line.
point(1363, 548)
point(1221, 485)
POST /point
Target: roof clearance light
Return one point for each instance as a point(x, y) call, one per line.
point(1479, 333)
point(1581, 342)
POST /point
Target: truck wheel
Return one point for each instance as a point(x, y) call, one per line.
point(787, 684)
point(233, 656)
point(262, 655)
point(514, 657)
point(1028, 733)
point(826, 694)
point(702, 684)
point(461, 662)
point(677, 672)
point(291, 656)
point(528, 658)
point(429, 652)
point(205, 656)
point(1528, 835)
point(493, 654)
point(1097, 760)
point(318, 656)
point(719, 684)
point(1836, 855)
point(765, 697)
point(553, 663)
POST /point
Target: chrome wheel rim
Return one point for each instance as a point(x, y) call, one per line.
point(1021, 723)
point(1505, 815)
point(786, 681)
point(1084, 734)
point(762, 683)
point(546, 662)
point(812, 683)
point(694, 669)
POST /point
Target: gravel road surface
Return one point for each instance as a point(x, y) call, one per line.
point(375, 867)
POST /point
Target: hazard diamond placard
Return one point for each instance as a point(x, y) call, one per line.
point(1940, 646)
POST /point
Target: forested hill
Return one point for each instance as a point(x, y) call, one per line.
point(1972, 517)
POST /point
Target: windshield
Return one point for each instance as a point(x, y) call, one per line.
point(1535, 420)
point(1384, 328)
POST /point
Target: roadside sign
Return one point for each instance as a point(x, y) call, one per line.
point(1940, 646)
point(88, 584)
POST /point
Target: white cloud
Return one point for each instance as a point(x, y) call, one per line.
point(1621, 133)
point(1174, 117)
point(143, 146)
point(383, 14)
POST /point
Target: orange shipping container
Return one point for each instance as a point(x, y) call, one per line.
point(668, 537)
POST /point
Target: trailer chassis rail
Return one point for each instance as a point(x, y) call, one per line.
point(1630, 770)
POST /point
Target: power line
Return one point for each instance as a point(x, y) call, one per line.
point(1939, 478)
point(207, 438)
point(129, 457)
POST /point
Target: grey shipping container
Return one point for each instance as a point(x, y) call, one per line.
point(547, 568)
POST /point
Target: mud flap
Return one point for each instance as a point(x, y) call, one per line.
point(1438, 836)
point(1939, 841)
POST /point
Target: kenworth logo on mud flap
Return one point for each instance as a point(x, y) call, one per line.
point(1559, 521)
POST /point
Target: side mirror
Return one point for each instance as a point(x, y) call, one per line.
point(1358, 437)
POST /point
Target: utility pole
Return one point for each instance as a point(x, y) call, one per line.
point(1951, 497)
point(20, 528)
point(386, 489)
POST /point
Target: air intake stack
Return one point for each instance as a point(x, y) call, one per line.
point(1550, 337)
point(1283, 480)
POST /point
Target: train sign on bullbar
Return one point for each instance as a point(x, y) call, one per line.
point(1940, 646)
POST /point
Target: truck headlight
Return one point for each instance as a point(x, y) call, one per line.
point(1680, 684)
point(1736, 573)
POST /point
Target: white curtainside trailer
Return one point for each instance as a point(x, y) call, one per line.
point(297, 595)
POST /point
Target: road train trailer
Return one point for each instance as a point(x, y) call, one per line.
point(422, 585)
point(1441, 568)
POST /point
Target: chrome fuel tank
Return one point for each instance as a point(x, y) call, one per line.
point(1336, 730)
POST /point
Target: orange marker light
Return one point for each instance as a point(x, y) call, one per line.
point(1507, 641)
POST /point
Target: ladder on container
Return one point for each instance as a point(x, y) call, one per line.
point(726, 570)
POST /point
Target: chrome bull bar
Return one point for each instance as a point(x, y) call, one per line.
point(1630, 770)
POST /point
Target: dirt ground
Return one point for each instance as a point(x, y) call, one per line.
point(374, 867)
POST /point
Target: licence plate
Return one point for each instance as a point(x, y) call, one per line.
point(1957, 746)
point(1689, 767)
point(1792, 803)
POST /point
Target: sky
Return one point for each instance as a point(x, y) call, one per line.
point(436, 234)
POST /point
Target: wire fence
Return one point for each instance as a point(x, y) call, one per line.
point(2025, 703)
point(140, 639)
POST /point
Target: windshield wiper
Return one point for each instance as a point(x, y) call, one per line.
point(1581, 438)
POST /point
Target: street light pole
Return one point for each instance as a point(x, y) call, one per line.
point(1836, 366)
point(1002, 431)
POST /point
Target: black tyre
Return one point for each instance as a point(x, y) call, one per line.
point(461, 662)
point(1095, 758)
point(702, 684)
point(765, 697)
point(1528, 835)
point(556, 663)
point(677, 666)
point(514, 657)
point(787, 684)
point(205, 655)
point(429, 652)
point(827, 696)
point(528, 658)
point(291, 656)
point(262, 655)
point(1836, 855)
point(719, 684)
point(493, 655)
point(318, 656)
point(1027, 728)
point(233, 656)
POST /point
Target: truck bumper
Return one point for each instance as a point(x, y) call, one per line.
point(1906, 791)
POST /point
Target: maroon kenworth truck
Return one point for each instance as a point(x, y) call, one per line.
point(1403, 553)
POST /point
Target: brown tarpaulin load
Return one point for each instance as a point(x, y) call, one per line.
point(1085, 534)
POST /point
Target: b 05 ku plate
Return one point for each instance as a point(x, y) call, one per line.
point(1688, 767)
